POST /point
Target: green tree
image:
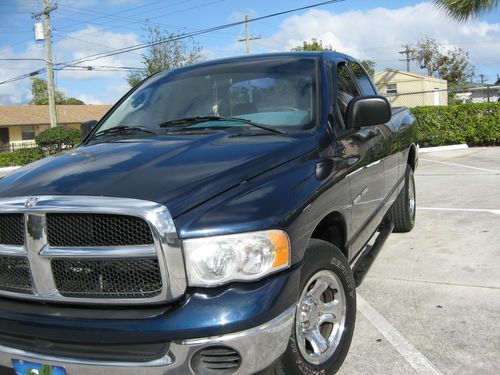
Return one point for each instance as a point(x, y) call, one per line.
point(313, 45)
point(451, 64)
point(54, 140)
point(427, 51)
point(369, 66)
point(40, 94)
point(455, 67)
point(162, 55)
point(462, 10)
point(73, 101)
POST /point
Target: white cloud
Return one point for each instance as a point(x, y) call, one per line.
point(378, 33)
point(237, 16)
point(89, 99)
point(91, 3)
point(91, 41)
point(87, 41)
point(19, 91)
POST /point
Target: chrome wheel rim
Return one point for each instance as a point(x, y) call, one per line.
point(411, 197)
point(320, 317)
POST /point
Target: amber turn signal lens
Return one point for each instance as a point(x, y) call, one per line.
point(281, 248)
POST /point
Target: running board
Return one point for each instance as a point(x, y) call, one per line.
point(365, 260)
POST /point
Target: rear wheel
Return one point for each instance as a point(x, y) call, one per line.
point(325, 315)
point(402, 213)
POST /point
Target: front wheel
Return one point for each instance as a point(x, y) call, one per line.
point(325, 315)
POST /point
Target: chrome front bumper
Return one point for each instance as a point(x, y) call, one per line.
point(259, 347)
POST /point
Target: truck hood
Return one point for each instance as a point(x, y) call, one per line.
point(179, 171)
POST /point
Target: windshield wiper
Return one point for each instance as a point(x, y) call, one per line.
point(124, 129)
point(187, 121)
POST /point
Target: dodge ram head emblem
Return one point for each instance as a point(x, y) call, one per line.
point(31, 202)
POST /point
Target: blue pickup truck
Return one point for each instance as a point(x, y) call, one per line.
point(217, 220)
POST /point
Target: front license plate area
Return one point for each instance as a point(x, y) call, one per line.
point(32, 368)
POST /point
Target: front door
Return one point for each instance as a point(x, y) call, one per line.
point(362, 149)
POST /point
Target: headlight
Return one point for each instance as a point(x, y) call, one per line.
point(214, 261)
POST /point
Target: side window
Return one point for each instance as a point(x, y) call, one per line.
point(27, 132)
point(391, 89)
point(362, 79)
point(347, 90)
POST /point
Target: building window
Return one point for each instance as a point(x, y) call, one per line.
point(391, 89)
point(28, 132)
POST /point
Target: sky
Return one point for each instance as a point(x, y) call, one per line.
point(365, 29)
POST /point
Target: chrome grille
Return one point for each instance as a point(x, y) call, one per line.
point(69, 230)
point(11, 229)
point(107, 278)
point(15, 275)
point(82, 249)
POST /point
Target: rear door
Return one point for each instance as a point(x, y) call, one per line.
point(362, 149)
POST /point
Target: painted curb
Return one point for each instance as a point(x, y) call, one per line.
point(443, 148)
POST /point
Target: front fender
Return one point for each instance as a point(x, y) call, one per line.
point(290, 197)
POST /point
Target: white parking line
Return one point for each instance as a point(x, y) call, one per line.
point(496, 212)
point(461, 165)
point(415, 359)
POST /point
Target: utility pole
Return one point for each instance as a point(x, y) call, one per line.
point(248, 37)
point(487, 87)
point(407, 51)
point(48, 56)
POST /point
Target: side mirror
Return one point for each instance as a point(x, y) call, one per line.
point(368, 111)
point(86, 127)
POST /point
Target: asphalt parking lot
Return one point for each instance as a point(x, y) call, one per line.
point(431, 302)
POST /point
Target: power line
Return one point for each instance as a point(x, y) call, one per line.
point(79, 22)
point(89, 42)
point(127, 19)
point(192, 34)
point(175, 38)
point(24, 59)
point(94, 67)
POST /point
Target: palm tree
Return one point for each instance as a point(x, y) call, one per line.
point(462, 10)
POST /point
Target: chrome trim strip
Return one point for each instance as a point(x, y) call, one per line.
point(141, 251)
point(259, 347)
point(283, 318)
point(13, 250)
point(17, 353)
point(365, 167)
point(36, 241)
point(166, 244)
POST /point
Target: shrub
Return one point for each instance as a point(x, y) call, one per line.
point(20, 157)
point(54, 140)
point(477, 124)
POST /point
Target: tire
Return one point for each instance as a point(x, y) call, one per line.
point(403, 210)
point(324, 263)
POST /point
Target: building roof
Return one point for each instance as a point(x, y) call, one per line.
point(39, 114)
point(410, 74)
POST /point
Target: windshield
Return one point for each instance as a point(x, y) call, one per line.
point(276, 92)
